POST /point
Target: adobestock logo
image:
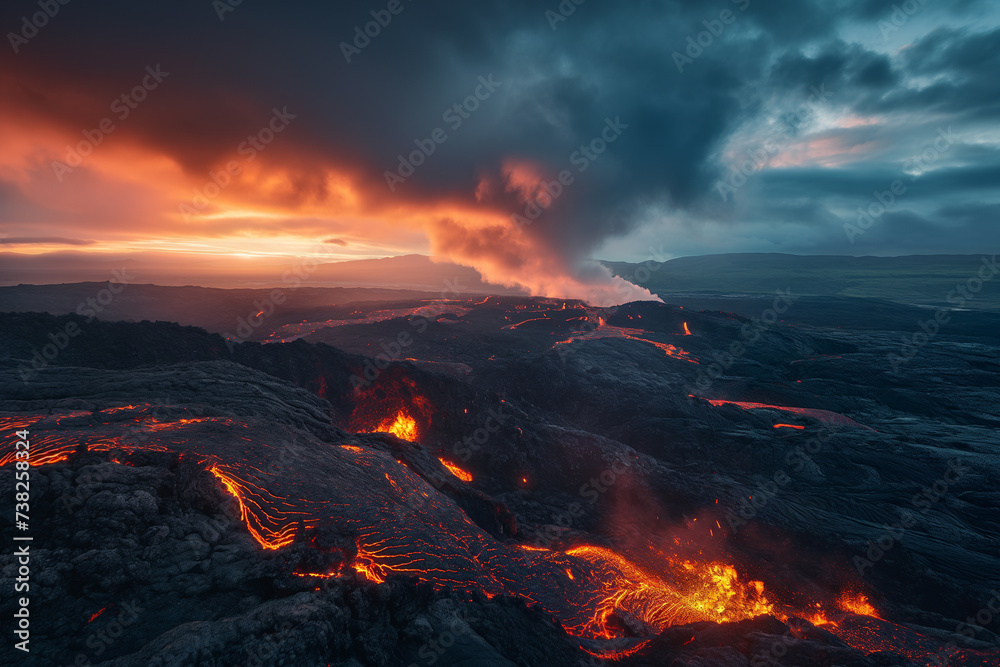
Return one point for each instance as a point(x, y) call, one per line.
point(31, 25)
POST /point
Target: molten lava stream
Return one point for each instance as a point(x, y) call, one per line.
point(455, 470)
point(605, 330)
point(824, 416)
point(599, 589)
point(403, 427)
point(595, 592)
point(261, 512)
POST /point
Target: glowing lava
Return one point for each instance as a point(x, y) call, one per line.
point(605, 330)
point(856, 604)
point(456, 471)
point(404, 527)
point(698, 592)
point(403, 426)
point(245, 494)
point(824, 416)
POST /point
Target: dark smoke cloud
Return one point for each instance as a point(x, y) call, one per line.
point(557, 89)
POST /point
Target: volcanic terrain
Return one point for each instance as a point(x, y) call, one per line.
point(511, 480)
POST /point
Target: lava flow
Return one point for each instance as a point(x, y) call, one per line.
point(699, 592)
point(456, 471)
point(605, 330)
point(403, 426)
point(823, 416)
point(591, 589)
point(405, 527)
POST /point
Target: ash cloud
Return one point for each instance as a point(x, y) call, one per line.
point(558, 88)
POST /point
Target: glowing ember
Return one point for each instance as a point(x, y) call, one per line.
point(456, 471)
point(366, 566)
point(856, 604)
point(687, 332)
point(698, 592)
point(819, 618)
point(795, 426)
point(403, 427)
point(593, 591)
point(98, 613)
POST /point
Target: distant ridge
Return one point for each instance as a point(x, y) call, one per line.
point(912, 279)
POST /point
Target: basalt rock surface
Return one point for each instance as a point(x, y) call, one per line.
point(583, 427)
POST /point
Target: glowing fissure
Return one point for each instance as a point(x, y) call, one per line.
point(605, 330)
point(824, 416)
point(402, 426)
point(455, 470)
point(592, 590)
point(247, 494)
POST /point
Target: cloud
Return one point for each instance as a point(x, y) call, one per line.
point(322, 179)
point(42, 240)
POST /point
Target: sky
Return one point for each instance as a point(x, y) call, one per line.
point(523, 139)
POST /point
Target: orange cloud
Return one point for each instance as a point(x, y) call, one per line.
point(154, 184)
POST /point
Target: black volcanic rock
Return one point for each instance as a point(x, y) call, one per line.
point(598, 442)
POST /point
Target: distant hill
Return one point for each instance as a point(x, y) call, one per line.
point(923, 280)
point(217, 310)
point(406, 272)
point(915, 279)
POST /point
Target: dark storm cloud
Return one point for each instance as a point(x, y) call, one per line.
point(839, 66)
point(557, 88)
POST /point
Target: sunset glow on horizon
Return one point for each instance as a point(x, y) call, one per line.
point(487, 137)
